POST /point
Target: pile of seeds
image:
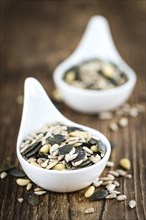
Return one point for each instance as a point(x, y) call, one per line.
point(107, 185)
point(61, 147)
point(95, 74)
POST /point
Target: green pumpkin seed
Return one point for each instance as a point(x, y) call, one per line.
point(56, 139)
point(65, 149)
point(7, 167)
point(17, 173)
point(98, 195)
point(33, 199)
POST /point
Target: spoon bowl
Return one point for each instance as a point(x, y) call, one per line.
point(97, 43)
point(37, 111)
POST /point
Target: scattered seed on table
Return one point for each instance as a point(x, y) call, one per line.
point(121, 197)
point(116, 183)
point(112, 177)
point(97, 183)
point(29, 186)
point(113, 126)
point(106, 178)
point(116, 192)
point(132, 204)
point(105, 115)
point(105, 183)
point(20, 200)
point(98, 195)
point(89, 191)
point(123, 122)
point(114, 173)
point(111, 196)
point(38, 189)
point(7, 167)
point(3, 175)
point(39, 193)
point(33, 199)
point(133, 112)
point(129, 176)
point(121, 172)
point(125, 163)
point(110, 187)
point(22, 182)
point(89, 210)
point(17, 173)
point(110, 164)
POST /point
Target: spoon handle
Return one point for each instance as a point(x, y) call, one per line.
point(97, 40)
point(38, 109)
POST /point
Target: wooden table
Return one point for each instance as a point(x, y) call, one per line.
point(35, 38)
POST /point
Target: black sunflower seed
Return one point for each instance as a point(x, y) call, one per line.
point(65, 149)
point(56, 139)
point(7, 167)
point(98, 195)
point(17, 173)
point(32, 147)
point(33, 199)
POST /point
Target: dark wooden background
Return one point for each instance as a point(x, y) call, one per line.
point(35, 37)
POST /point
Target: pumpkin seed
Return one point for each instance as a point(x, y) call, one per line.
point(89, 191)
point(98, 195)
point(7, 167)
point(32, 149)
point(56, 139)
point(125, 163)
point(17, 173)
point(65, 149)
point(22, 182)
point(33, 199)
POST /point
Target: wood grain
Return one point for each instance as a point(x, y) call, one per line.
point(35, 38)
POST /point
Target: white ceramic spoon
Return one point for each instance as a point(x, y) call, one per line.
point(96, 43)
point(37, 111)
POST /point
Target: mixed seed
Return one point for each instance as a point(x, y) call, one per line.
point(95, 74)
point(101, 188)
point(61, 147)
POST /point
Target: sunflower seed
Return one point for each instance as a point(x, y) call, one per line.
point(95, 159)
point(3, 175)
point(39, 193)
point(111, 176)
point(121, 172)
point(89, 210)
point(89, 191)
point(121, 197)
point(111, 196)
point(123, 122)
point(114, 173)
point(132, 204)
point(97, 183)
point(51, 165)
point(105, 115)
point(70, 157)
point(116, 192)
point(20, 200)
point(110, 187)
point(110, 164)
point(129, 176)
point(38, 189)
point(87, 150)
point(113, 126)
point(105, 183)
point(116, 183)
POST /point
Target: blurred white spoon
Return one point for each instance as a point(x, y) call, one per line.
point(96, 42)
